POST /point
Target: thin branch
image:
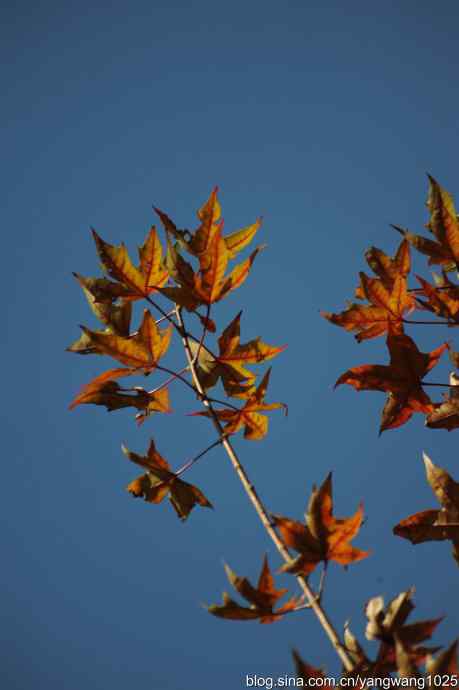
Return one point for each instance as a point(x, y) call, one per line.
point(320, 590)
point(302, 607)
point(166, 316)
point(259, 506)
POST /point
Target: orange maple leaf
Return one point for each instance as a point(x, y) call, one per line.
point(248, 417)
point(262, 599)
point(142, 351)
point(445, 415)
point(210, 283)
point(402, 379)
point(230, 364)
point(387, 268)
point(384, 313)
point(139, 281)
point(442, 300)
point(443, 224)
point(435, 525)
point(323, 537)
point(103, 390)
point(160, 481)
point(399, 641)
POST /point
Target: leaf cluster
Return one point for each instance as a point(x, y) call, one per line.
point(386, 301)
point(191, 270)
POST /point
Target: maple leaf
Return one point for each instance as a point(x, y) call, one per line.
point(210, 283)
point(159, 482)
point(240, 239)
point(213, 260)
point(102, 385)
point(142, 350)
point(323, 537)
point(262, 598)
point(442, 670)
point(443, 224)
point(445, 664)
point(445, 415)
point(183, 275)
point(101, 295)
point(355, 651)
point(182, 237)
point(211, 225)
point(454, 357)
point(383, 314)
point(387, 268)
point(402, 379)
point(442, 302)
point(137, 281)
point(209, 214)
point(230, 364)
point(388, 625)
point(83, 346)
point(255, 425)
point(435, 525)
point(103, 390)
point(404, 663)
point(101, 292)
point(151, 265)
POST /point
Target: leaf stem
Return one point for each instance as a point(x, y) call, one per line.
point(173, 377)
point(223, 402)
point(165, 317)
point(437, 287)
point(191, 462)
point(439, 385)
point(204, 331)
point(258, 505)
point(430, 323)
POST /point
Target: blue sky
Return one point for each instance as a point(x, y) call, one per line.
point(323, 118)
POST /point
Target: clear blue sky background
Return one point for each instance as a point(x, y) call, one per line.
point(322, 117)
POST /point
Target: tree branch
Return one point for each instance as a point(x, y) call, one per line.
point(258, 505)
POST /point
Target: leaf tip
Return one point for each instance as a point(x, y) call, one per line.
point(398, 228)
point(428, 464)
